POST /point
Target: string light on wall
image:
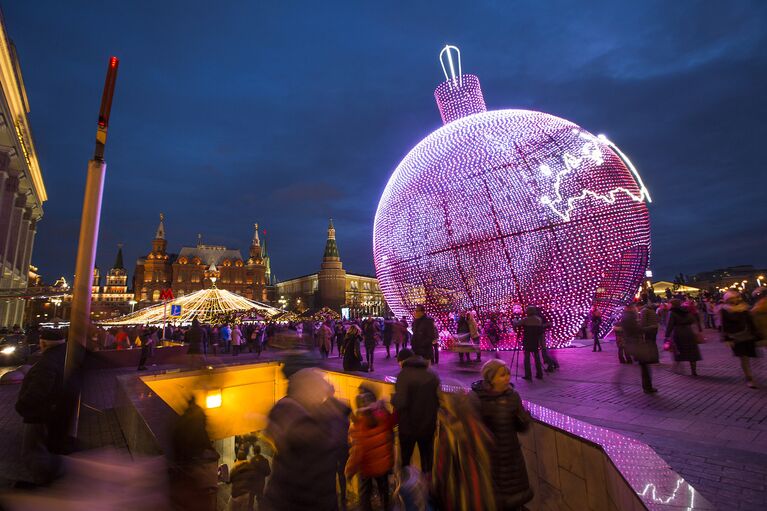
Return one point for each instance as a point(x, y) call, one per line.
point(498, 210)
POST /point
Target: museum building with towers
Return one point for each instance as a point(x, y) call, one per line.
point(189, 270)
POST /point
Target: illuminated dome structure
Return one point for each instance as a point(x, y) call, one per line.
point(499, 210)
point(205, 305)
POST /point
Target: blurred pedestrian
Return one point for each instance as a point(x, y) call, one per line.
point(225, 334)
point(325, 338)
point(462, 474)
point(197, 338)
point(193, 471)
point(371, 334)
point(148, 342)
point(416, 401)
point(241, 477)
point(339, 335)
point(502, 412)
point(237, 340)
point(474, 333)
point(338, 414)
point(759, 313)
point(638, 345)
point(493, 333)
point(388, 332)
point(304, 467)
point(42, 404)
point(739, 332)
point(596, 324)
point(682, 336)
point(399, 335)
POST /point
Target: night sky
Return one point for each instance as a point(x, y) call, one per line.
point(287, 113)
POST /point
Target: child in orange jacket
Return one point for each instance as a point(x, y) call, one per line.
point(371, 437)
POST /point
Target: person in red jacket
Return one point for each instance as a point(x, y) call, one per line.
point(371, 437)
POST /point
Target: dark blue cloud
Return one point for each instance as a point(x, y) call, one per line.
point(287, 113)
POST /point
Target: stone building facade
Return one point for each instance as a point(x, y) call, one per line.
point(185, 272)
point(22, 191)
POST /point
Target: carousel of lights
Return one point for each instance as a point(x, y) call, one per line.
point(205, 305)
point(499, 210)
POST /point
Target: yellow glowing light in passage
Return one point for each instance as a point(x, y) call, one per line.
point(213, 399)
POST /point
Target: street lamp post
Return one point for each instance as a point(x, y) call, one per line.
point(79, 316)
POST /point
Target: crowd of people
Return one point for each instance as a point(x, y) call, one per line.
point(469, 452)
point(682, 321)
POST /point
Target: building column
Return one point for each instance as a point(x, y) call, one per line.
point(9, 254)
point(29, 231)
point(8, 195)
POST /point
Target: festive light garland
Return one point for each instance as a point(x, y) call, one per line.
point(205, 305)
point(500, 210)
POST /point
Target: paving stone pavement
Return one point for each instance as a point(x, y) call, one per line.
point(711, 429)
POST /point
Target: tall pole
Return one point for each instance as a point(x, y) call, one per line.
point(79, 316)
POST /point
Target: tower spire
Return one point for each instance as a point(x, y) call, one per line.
point(331, 249)
point(160, 235)
point(119, 260)
point(256, 240)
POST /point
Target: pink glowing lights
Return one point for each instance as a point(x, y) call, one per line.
point(502, 209)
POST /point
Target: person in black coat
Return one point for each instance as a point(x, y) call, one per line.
point(351, 350)
point(42, 405)
point(533, 332)
point(424, 334)
point(502, 412)
point(642, 349)
point(416, 400)
point(681, 332)
point(261, 470)
point(197, 338)
point(739, 332)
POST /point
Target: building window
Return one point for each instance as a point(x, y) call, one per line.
point(355, 285)
point(156, 295)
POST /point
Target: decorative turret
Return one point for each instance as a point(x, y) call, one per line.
point(332, 276)
point(159, 243)
point(119, 260)
point(331, 249)
point(255, 247)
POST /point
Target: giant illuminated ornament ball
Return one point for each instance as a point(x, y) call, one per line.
point(499, 210)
